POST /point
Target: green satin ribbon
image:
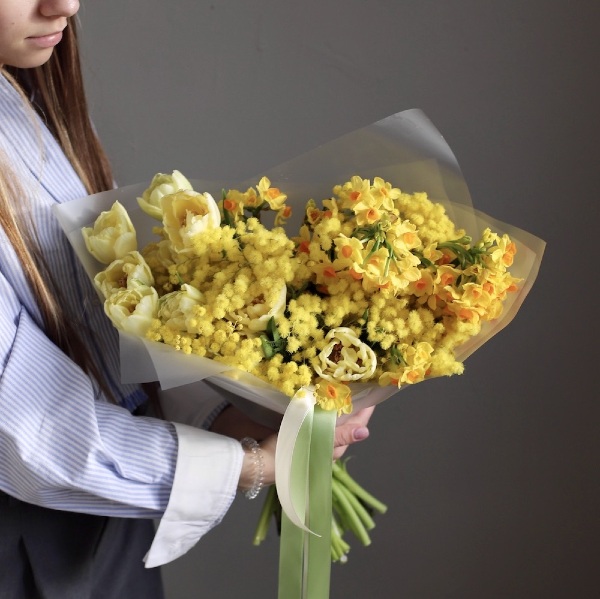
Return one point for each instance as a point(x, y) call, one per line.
point(305, 557)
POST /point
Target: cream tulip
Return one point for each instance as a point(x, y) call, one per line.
point(112, 236)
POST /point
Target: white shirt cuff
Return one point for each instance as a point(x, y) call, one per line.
point(206, 478)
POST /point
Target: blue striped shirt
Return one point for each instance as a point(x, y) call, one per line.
point(62, 445)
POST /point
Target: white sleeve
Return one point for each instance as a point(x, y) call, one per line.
point(208, 467)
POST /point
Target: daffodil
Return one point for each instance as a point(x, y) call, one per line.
point(403, 236)
point(283, 215)
point(423, 286)
point(271, 195)
point(384, 193)
point(333, 395)
point(233, 205)
point(367, 215)
point(504, 252)
point(353, 192)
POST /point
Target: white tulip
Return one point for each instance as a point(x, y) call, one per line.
point(112, 235)
point(176, 308)
point(345, 357)
point(187, 214)
point(128, 272)
point(161, 185)
point(133, 310)
point(255, 316)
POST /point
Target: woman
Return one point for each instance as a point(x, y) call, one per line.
point(82, 474)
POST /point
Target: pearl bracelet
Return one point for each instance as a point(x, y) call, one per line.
point(259, 466)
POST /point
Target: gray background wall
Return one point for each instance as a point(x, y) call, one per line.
point(492, 477)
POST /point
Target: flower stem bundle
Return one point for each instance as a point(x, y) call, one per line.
point(353, 511)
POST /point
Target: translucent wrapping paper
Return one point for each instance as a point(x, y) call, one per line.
point(405, 149)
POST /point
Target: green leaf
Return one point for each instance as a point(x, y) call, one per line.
point(267, 347)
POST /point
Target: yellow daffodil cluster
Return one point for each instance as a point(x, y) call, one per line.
point(393, 268)
point(378, 285)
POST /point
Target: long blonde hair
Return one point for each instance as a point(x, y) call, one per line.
point(56, 92)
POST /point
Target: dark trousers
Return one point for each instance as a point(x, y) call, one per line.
point(49, 554)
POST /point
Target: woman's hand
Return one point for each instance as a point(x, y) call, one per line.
point(352, 430)
point(234, 423)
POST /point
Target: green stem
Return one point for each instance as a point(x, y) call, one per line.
point(267, 511)
point(375, 247)
point(355, 522)
point(340, 473)
point(338, 510)
point(358, 507)
point(339, 547)
point(350, 511)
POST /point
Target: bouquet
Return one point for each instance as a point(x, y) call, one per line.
point(377, 286)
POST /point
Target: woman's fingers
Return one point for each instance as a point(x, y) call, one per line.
point(352, 430)
point(233, 423)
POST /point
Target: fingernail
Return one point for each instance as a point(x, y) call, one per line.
point(361, 433)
